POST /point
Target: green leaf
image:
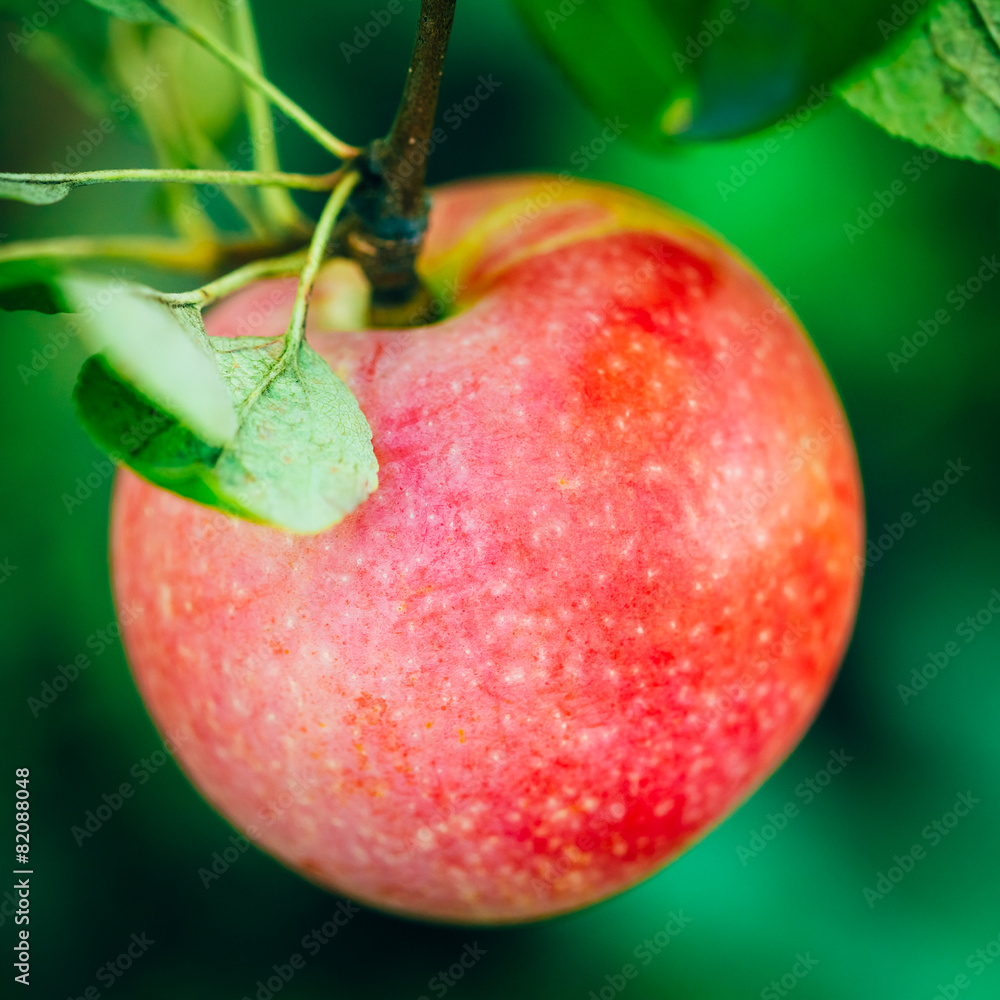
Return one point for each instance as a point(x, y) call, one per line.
point(152, 348)
point(34, 192)
point(702, 69)
point(205, 94)
point(131, 10)
point(31, 285)
point(134, 430)
point(942, 89)
point(303, 457)
point(298, 456)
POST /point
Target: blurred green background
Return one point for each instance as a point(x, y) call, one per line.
point(752, 918)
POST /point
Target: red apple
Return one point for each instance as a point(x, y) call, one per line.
point(601, 591)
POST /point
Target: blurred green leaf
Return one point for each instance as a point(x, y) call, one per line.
point(30, 285)
point(702, 69)
point(205, 95)
point(130, 10)
point(943, 88)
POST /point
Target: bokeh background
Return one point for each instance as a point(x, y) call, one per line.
point(752, 917)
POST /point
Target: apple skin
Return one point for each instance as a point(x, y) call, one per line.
point(602, 589)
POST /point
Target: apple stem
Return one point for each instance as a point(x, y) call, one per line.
point(390, 206)
point(403, 155)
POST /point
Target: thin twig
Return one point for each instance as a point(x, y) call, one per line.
point(278, 204)
point(256, 79)
point(273, 267)
point(189, 256)
point(241, 178)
